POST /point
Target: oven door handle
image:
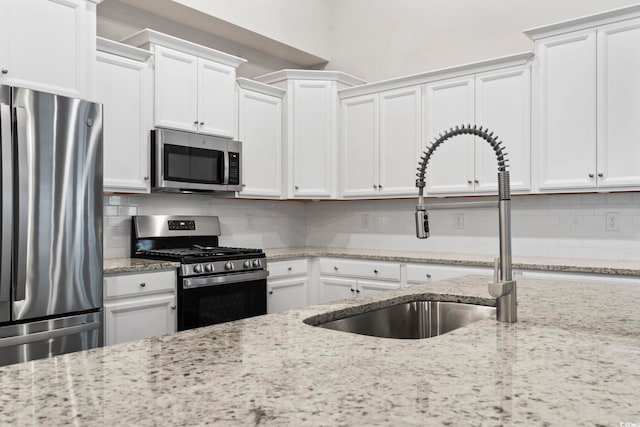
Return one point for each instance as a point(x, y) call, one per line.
point(199, 282)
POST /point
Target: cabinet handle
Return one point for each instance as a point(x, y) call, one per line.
point(601, 175)
point(590, 175)
point(142, 285)
point(289, 268)
point(375, 271)
point(173, 307)
point(146, 178)
point(4, 71)
point(428, 275)
point(270, 292)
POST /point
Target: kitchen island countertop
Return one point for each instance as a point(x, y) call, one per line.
point(572, 359)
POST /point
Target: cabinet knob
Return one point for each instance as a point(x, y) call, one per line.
point(201, 123)
point(270, 292)
point(469, 181)
point(296, 187)
point(375, 186)
point(146, 178)
point(142, 285)
point(428, 275)
point(352, 290)
point(335, 268)
point(4, 71)
point(195, 122)
point(375, 271)
point(357, 291)
point(173, 307)
point(476, 181)
point(289, 268)
point(590, 175)
point(600, 175)
point(380, 186)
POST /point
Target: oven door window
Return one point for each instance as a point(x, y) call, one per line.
point(189, 164)
point(221, 303)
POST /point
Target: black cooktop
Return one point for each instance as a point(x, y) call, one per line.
point(200, 253)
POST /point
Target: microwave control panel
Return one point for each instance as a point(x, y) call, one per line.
point(234, 168)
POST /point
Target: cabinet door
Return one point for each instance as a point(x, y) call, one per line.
point(286, 294)
point(334, 288)
point(370, 287)
point(260, 130)
point(124, 89)
point(176, 90)
point(313, 139)
point(566, 130)
point(359, 143)
point(503, 102)
point(49, 45)
point(448, 104)
point(400, 140)
point(137, 318)
point(216, 98)
point(619, 104)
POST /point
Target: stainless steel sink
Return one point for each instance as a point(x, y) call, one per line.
point(413, 320)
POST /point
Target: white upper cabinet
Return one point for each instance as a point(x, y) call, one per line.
point(194, 85)
point(587, 102)
point(49, 45)
point(260, 130)
point(380, 140)
point(311, 111)
point(124, 87)
point(498, 100)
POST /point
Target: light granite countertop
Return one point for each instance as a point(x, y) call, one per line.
point(572, 359)
point(575, 265)
point(133, 265)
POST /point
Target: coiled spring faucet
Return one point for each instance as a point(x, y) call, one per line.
point(504, 287)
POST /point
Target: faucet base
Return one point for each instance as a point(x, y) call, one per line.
point(506, 307)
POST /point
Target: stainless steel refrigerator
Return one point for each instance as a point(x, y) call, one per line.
point(50, 226)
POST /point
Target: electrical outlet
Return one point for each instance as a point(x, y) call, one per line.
point(365, 221)
point(458, 221)
point(612, 221)
point(249, 221)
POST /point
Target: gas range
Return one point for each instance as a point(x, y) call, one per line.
point(215, 284)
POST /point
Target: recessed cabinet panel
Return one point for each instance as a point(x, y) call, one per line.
point(400, 140)
point(503, 105)
point(334, 288)
point(124, 89)
point(447, 105)
point(567, 111)
point(176, 90)
point(359, 142)
point(619, 105)
point(216, 98)
point(134, 319)
point(286, 294)
point(260, 130)
point(313, 138)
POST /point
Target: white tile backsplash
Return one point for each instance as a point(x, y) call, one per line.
point(546, 225)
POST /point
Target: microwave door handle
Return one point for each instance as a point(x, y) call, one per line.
point(23, 204)
point(7, 202)
point(226, 168)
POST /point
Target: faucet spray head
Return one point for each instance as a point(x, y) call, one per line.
point(422, 222)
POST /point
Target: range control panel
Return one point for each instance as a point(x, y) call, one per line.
point(182, 225)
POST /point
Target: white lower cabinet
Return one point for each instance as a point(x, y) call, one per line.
point(344, 278)
point(139, 305)
point(287, 285)
point(426, 273)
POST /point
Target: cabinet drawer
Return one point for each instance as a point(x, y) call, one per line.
point(294, 267)
point(139, 283)
point(367, 269)
point(424, 273)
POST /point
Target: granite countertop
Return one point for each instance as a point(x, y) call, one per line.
point(572, 359)
point(132, 265)
point(575, 265)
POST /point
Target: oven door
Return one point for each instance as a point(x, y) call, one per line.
point(204, 301)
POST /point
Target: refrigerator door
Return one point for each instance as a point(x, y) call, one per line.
point(6, 198)
point(47, 338)
point(57, 254)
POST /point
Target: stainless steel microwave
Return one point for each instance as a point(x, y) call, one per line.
point(192, 162)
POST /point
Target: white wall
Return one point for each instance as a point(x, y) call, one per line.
point(380, 39)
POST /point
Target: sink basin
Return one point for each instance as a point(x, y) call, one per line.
point(413, 320)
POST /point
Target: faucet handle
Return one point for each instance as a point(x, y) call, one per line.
point(500, 289)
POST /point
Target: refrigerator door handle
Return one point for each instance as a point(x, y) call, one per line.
point(7, 202)
point(22, 218)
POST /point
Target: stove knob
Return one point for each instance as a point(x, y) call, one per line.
point(197, 268)
point(228, 266)
point(208, 268)
point(256, 263)
point(247, 264)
